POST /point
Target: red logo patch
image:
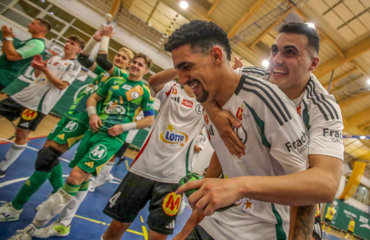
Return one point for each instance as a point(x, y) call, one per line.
point(187, 103)
point(239, 114)
point(299, 110)
point(174, 91)
point(168, 93)
point(56, 64)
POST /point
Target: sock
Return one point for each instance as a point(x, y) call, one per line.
point(56, 177)
point(29, 188)
point(71, 189)
point(351, 236)
point(328, 229)
point(12, 155)
point(104, 172)
point(323, 227)
point(347, 235)
point(70, 210)
point(51, 207)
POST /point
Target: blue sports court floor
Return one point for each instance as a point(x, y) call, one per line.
point(90, 223)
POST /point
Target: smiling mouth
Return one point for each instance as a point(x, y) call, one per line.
point(280, 72)
point(194, 85)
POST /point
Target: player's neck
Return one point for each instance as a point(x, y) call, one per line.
point(69, 56)
point(134, 78)
point(228, 82)
point(38, 35)
point(296, 90)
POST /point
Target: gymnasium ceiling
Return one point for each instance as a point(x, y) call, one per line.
point(344, 27)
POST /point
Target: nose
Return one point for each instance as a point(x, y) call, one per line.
point(183, 77)
point(277, 59)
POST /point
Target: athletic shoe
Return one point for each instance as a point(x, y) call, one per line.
point(121, 160)
point(2, 173)
point(8, 213)
point(56, 229)
point(24, 234)
point(97, 183)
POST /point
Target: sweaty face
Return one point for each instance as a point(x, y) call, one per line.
point(196, 70)
point(137, 67)
point(71, 47)
point(290, 61)
point(121, 60)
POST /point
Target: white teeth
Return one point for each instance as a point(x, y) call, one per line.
point(280, 71)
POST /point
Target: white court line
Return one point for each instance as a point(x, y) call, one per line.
point(35, 149)
point(18, 180)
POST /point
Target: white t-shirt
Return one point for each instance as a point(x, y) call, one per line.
point(132, 133)
point(164, 156)
point(276, 144)
point(320, 113)
point(41, 95)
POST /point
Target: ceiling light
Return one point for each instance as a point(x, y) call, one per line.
point(368, 82)
point(183, 4)
point(265, 63)
point(311, 25)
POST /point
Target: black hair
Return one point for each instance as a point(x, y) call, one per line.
point(303, 28)
point(44, 23)
point(199, 34)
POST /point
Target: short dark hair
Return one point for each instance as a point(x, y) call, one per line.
point(201, 34)
point(303, 28)
point(147, 59)
point(44, 23)
point(77, 39)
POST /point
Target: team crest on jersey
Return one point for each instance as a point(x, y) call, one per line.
point(172, 136)
point(199, 109)
point(114, 108)
point(71, 126)
point(135, 95)
point(29, 114)
point(98, 152)
point(171, 204)
point(241, 133)
point(239, 114)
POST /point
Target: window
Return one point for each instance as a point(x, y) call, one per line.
point(83, 26)
point(51, 35)
point(41, 3)
point(16, 17)
point(60, 14)
point(73, 31)
point(27, 9)
point(55, 24)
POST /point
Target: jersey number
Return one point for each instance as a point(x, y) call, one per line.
point(113, 199)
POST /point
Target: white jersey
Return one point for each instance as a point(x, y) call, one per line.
point(41, 95)
point(200, 142)
point(132, 133)
point(320, 113)
point(164, 156)
point(276, 144)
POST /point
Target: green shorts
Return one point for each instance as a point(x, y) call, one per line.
point(67, 131)
point(95, 150)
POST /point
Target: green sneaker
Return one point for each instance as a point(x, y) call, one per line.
point(56, 229)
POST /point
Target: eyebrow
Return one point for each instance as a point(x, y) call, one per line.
point(291, 46)
point(178, 66)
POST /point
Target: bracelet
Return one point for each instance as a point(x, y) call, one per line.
point(91, 110)
point(128, 126)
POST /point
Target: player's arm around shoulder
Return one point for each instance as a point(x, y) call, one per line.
point(158, 80)
point(148, 110)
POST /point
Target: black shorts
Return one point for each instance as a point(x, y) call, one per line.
point(327, 221)
point(11, 110)
point(350, 232)
point(198, 233)
point(132, 195)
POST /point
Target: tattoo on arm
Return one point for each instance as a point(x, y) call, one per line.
point(304, 222)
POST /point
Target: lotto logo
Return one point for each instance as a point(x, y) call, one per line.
point(171, 204)
point(29, 114)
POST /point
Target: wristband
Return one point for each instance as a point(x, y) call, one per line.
point(128, 126)
point(104, 44)
point(91, 110)
point(89, 46)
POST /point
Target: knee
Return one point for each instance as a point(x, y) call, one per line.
point(47, 159)
point(77, 176)
point(115, 228)
point(21, 136)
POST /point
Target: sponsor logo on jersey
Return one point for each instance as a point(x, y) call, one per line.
point(169, 91)
point(174, 91)
point(25, 124)
point(89, 164)
point(199, 109)
point(210, 132)
point(336, 136)
point(187, 103)
point(61, 136)
point(71, 126)
point(29, 114)
point(127, 87)
point(176, 99)
point(171, 136)
point(98, 152)
point(56, 64)
point(299, 144)
point(239, 114)
point(171, 204)
point(241, 133)
point(91, 88)
point(115, 87)
point(135, 95)
point(171, 225)
point(61, 67)
point(114, 108)
point(41, 80)
point(299, 110)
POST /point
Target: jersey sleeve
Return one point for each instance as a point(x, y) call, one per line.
point(72, 72)
point(147, 103)
point(31, 48)
point(326, 134)
point(164, 93)
point(98, 70)
point(254, 72)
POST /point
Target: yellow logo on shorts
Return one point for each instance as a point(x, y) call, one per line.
point(29, 114)
point(89, 164)
point(61, 136)
point(171, 204)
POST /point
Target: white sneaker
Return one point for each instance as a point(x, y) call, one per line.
point(97, 183)
point(56, 229)
point(8, 213)
point(24, 234)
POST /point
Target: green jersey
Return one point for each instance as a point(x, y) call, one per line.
point(77, 110)
point(123, 101)
point(9, 70)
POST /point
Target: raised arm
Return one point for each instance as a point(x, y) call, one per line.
point(158, 80)
point(102, 58)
